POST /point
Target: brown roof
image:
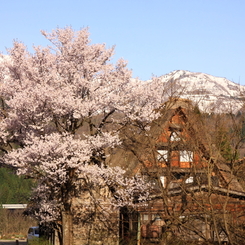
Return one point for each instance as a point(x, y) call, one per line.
point(136, 144)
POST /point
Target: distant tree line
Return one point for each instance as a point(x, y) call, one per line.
point(13, 188)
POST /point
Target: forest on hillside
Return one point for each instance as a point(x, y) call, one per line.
point(13, 188)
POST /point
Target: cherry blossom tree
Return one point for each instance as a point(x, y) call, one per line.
point(64, 105)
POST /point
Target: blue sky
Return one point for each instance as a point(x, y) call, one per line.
point(154, 36)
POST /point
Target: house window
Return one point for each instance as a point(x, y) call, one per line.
point(163, 180)
point(162, 155)
point(189, 180)
point(186, 156)
point(174, 136)
point(145, 217)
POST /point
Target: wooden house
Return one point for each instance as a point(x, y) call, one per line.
point(195, 196)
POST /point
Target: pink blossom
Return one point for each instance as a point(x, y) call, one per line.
point(63, 103)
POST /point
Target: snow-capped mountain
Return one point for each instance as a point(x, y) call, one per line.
point(209, 92)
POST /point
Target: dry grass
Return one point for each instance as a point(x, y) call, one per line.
point(14, 225)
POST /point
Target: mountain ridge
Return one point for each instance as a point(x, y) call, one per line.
point(212, 94)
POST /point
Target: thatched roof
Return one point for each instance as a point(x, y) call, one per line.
point(138, 145)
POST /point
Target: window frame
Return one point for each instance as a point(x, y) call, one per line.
point(186, 156)
point(162, 155)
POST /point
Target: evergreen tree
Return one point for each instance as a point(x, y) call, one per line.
point(13, 188)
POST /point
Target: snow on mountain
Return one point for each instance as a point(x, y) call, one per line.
point(209, 92)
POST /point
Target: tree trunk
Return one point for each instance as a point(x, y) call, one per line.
point(67, 238)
